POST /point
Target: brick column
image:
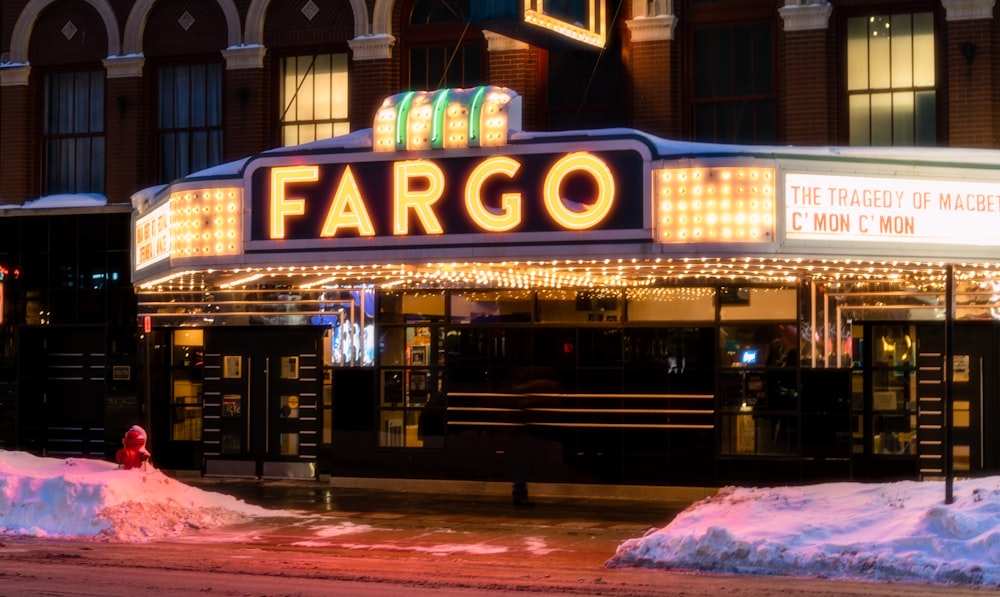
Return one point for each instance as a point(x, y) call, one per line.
point(969, 64)
point(126, 147)
point(514, 64)
point(16, 183)
point(245, 120)
point(372, 77)
point(808, 93)
point(655, 100)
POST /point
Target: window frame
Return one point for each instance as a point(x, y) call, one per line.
point(280, 110)
point(438, 35)
point(97, 76)
point(737, 13)
point(160, 131)
point(940, 76)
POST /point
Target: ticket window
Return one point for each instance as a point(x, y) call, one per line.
point(186, 397)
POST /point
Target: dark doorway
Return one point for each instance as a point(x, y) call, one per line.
point(261, 401)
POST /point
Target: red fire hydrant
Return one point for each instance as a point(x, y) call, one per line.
point(133, 453)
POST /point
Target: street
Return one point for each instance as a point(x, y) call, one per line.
point(363, 543)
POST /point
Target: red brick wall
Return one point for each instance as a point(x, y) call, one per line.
point(655, 107)
point(126, 146)
point(969, 87)
point(371, 82)
point(517, 70)
point(246, 123)
point(17, 182)
point(806, 89)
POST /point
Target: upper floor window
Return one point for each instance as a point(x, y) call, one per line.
point(732, 83)
point(442, 50)
point(891, 94)
point(73, 133)
point(314, 98)
point(189, 122)
point(586, 88)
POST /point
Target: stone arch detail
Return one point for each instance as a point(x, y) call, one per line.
point(29, 15)
point(258, 11)
point(382, 17)
point(136, 24)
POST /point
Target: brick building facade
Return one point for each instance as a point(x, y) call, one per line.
point(102, 98)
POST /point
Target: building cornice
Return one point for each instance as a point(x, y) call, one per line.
point(122, 67)
point(496, 42)
point(13, 75)
point(372, 47)
point(244, 57)
point(659, 28)
point(799, 15)
point(968, 10)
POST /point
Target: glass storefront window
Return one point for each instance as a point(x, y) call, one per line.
point(752, 346)
point(671, 304)
point(492, 306)
point(399, 307)
point(749, 433)
point(756, 304)
point(187, 361)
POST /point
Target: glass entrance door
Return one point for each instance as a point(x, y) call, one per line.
point(262, 389)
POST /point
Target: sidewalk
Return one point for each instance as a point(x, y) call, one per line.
point(444, 502)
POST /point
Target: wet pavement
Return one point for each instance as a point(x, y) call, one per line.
point(325, 540)
point(318, 497)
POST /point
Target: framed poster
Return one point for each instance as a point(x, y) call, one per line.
point(418, 356)
point(232, 405)
point(289, 367)
point(232, 367)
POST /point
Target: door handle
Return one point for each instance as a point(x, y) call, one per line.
point(249, 436)
point(267, 405)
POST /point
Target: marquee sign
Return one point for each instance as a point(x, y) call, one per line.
point(540, 193)
point(890, 209)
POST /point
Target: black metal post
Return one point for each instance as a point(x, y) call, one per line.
point(949, 368)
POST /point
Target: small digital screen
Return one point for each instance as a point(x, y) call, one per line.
point(748, 357)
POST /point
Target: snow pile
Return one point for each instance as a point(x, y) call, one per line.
point(897, 531)
point(77, 497)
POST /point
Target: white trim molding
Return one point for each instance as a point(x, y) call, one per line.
point(968, 10)
point(244, 57)
point(658, 28)
point(801, 15)
point(122, 67)
point(372, 47)
point(496, 42)
point(12, 75)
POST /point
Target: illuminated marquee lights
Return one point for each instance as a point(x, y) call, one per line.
point(446, 119)
point(595, 35)
point(714, 205)
point(205, 223)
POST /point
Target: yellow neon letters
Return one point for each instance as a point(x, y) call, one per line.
point(406, 198)
point(510, 203)
point(418, 186)
point(591, 215)
point(348, 209)
point(281, 206)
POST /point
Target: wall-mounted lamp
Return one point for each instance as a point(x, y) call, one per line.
point(968, 50)
point(243, 95)
point(122, 103)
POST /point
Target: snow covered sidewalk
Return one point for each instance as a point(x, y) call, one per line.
point(84, 498)
point(892, 531)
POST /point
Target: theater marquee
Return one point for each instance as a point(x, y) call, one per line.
point(534, 193)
